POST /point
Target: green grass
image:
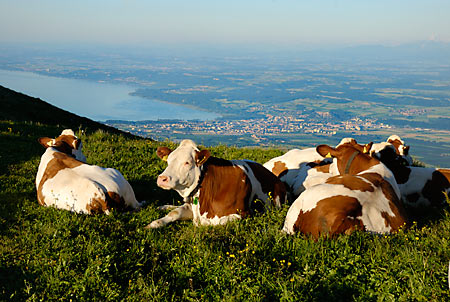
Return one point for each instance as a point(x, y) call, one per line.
point(48, 254)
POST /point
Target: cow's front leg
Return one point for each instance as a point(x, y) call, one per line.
point(167, 207)
point(183, 212)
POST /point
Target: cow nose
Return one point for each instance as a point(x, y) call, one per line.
point(163, 180)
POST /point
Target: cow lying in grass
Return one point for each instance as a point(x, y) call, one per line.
point(419, 186)
point(215, 190)
point(320, 171)
point(295, 166)
point(65, 181)
point(364, 196)
point(292, 167)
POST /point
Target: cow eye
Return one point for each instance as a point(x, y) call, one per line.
point(187, 163)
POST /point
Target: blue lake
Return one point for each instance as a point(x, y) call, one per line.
point(97, 101)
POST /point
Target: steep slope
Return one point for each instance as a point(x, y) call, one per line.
point(23, 119)
point(19, 107)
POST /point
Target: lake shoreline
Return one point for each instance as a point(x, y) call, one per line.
point(98, 100)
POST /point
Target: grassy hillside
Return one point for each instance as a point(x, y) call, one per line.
point(49, 254)
point(22, 108)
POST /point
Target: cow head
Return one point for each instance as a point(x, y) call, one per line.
point(388, 155)
point(400, 147)
point(347, 158)
point(184, 167)
point(352, 142)
point(66, 143)
point(386, 152)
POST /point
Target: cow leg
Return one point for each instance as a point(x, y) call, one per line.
point(183, 212)
point(167, 207)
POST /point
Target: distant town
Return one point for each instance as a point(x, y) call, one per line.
point(258, 129)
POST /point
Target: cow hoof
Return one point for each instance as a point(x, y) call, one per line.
point(154, 225)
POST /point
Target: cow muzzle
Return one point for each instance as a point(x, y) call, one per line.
point(163, 181)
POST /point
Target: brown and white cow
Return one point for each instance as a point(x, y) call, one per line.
point(397, 144)
point(320, 171)
point(298, 169)
point(215, 190)
point(419, 186)
point(364, 196)
point(65, 181)
point(400, 147)
point(292, 168)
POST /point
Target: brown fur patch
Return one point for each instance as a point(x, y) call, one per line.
point(59, 162)
point(396, 143)
point(161, 152)
point(269, 182)
point(97, 206)
point(400, 217)
point(439, 183)
point(113, 200)
point(323, 168)
point(331, 216)
point(63, 143)
point(445, 173)
point(398, 220)
point(320, 166)
point(278, 168)
point(361, 162)
point(351, 182)
point(347, 161)
point(385, 186)
point(395, 204)
point(224, 190)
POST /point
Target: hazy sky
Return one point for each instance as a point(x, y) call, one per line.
point(287, 22)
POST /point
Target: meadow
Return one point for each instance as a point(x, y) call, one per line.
point(48, 254)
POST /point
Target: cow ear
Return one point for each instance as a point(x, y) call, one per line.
point(202, 157)
point(326, 151)
point(46, 142)
point(163, 153)
point(367, 148)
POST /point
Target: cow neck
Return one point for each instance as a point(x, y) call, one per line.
point(192, 195)
point(349, 162)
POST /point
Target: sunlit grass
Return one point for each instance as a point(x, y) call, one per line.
point(49, 254)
